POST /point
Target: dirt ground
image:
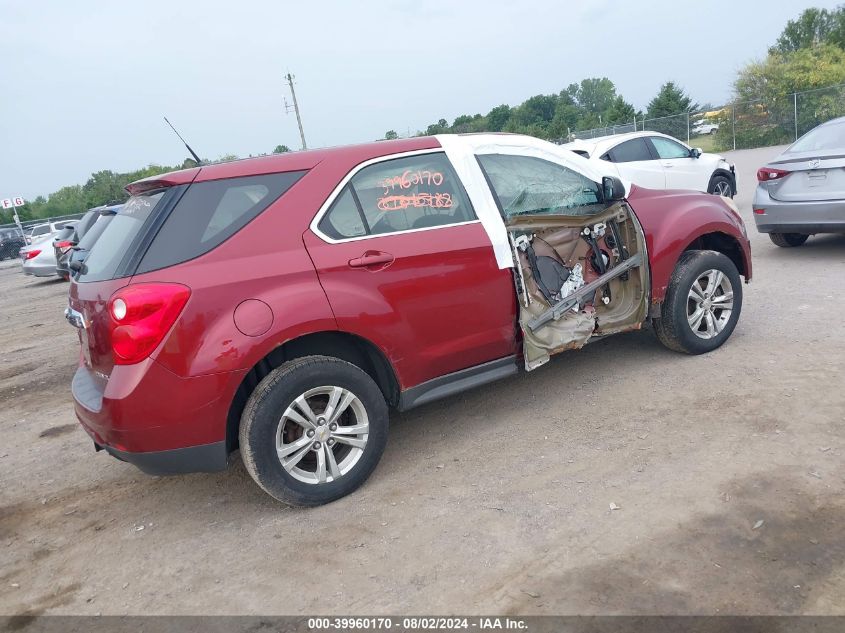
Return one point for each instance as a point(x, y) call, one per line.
point(726, 470)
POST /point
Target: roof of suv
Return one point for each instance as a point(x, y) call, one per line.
point(289, 161)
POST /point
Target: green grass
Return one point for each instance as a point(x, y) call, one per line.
point(705, 142)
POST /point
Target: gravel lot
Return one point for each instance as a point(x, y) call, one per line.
point(494, 501)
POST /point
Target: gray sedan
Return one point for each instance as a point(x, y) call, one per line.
point(802, 191)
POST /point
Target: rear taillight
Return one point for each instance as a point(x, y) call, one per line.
point(31, 254)
point(141, 315)
point(767, 174)
point(63, 244)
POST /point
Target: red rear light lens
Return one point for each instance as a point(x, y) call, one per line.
point(141, 315)
point(31, 254)
point(767, 174)
point(63, 244)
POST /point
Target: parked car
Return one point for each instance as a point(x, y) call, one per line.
point(281, 305)
point(802, 191)
point(11, 242)
point(659, 161)
point(39, 258)
point(705, 127)
point(40, 231)
point(70, 247)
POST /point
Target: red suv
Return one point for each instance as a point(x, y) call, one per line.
point(281, 305)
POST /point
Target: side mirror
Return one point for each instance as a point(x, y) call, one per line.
point(695, 152)
point(612, 188)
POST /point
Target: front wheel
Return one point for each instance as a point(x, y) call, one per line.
point(721, 186)
point(702, 303)
point(787, 240)
point(313, 430)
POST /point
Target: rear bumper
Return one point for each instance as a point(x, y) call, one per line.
point(40, 270)
point(208, 458)
point(825, 216)
point(148, 416)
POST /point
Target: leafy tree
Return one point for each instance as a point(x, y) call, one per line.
point(390, 135)
point(281, 149)
point(594, 94)
point(441, 127)
point(813, 27)
point(498, 117)
point(764, 102)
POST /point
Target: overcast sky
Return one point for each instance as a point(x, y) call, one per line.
point(85, 83)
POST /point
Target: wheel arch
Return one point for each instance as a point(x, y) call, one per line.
point(349, 347)
point(723, 243)
point(727, 174)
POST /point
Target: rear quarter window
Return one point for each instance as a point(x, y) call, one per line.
point(210, 213)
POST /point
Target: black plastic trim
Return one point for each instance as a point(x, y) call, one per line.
point(206, 458)
point(136, 251)
point(806, 228)
point(457, 382)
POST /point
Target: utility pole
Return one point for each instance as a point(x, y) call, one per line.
point(289, 79)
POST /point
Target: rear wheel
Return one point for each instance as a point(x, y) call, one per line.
point(721, 186)
point(787, 240)
point(702, 303)
point(313, 430)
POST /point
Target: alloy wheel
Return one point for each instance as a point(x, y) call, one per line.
point(722, 188)
point(322, 434)
point(710, 304)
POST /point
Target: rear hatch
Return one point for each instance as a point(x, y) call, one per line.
point(101, 275)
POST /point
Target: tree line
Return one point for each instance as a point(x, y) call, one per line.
point(809, 53)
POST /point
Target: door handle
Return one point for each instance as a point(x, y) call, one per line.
point(371, 258)
point(668, 164)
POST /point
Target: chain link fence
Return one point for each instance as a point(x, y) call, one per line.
point(30, 223)
point(741, 125)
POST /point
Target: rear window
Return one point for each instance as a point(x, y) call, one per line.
point(210, 213)
point(824, 137)
point(117, 236)
point(44, 229)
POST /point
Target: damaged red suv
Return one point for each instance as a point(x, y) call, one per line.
point(282, 305)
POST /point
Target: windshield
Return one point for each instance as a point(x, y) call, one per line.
point(116, 236)
point(824, 137)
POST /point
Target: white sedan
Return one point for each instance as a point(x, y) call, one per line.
point(658, 161)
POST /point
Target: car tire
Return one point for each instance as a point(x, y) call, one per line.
point(695, 319)
point(721, 186)
point(788, 240)
point(272, 430)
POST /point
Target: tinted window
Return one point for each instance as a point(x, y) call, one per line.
point(831, 136)
point(629, 151)
point(525, 185)
point(667, 148)
point(117, 236)
point(44, 229)
point(85, 224)
point(93, 234)
point(64, 234)
point(211, 212)
point(399, 195)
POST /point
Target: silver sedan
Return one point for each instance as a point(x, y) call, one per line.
point(802, 191)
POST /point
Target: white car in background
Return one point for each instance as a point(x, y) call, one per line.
point(705, 127)
point(659, 161)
